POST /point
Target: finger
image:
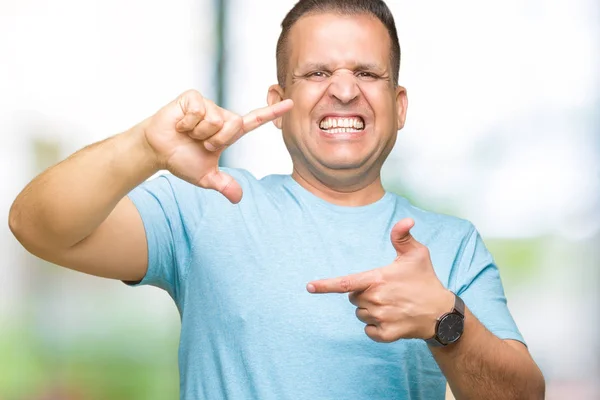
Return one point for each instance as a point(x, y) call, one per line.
point(401, 238)
point(237, 129)
point(223, 183)
point(345, 284)
point(382, 333)
point(228, 134)
point(193, 109)
point(263, 115)
point(210, 124)
point(365, 316)
point(356, 298)
point(375, 332)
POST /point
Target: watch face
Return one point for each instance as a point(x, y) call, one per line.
point(450, 328)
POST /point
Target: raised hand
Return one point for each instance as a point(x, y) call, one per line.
point(189, 135)
point(400, 300)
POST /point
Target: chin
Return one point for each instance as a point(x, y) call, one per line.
point(344, 161)
point(345, 165)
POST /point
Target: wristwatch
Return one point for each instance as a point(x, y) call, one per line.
point(450, 326)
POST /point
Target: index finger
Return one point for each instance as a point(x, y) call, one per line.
point(263, 115)
point(349, 283)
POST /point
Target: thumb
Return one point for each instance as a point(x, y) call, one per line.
point(223, 183)
point(401, 238)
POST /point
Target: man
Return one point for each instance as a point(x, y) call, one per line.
point(258, 278)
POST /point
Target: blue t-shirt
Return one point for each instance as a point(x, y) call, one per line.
point(238, 275)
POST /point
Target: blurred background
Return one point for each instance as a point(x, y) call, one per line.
point(503, 129)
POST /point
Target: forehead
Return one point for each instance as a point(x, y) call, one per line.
point(335, 38)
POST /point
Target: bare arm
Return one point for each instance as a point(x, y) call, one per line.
point(403, 301)
point(482, 366)
point(76, 215)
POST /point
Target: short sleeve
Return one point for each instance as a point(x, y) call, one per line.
point(480, 286)
point(164, 206)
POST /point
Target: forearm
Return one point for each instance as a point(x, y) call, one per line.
point(480, 365)
point(67, 202)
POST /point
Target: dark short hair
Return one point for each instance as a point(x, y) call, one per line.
point(376, 8)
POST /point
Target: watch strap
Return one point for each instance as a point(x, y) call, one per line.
point(459, 305)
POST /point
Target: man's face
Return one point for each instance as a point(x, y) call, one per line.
point(347, 110)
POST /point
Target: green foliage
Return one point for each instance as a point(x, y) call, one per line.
point(518, 260)
point(32, 369)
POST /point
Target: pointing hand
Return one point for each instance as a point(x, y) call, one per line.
point(400, 300)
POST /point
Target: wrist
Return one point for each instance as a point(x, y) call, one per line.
point(449, 324)
point(441, 303)
point(445, 303)
point(141, 150)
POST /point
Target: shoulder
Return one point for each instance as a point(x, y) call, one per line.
point(166, 183)
point(194, 200)
point(268, 190)
point(434, 225)
point(249, 181)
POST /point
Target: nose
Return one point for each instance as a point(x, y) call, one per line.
point(344, 87)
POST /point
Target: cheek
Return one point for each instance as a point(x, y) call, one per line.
point(306, 97)
point(297, 120)
point(383, 105)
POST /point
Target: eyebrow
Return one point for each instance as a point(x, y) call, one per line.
point(312, 66)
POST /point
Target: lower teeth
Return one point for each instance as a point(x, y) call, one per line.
point(342, 130)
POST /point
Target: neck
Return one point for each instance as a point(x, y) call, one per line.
point(352, 195)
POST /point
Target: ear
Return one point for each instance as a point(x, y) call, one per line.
point(274, 96)
point(401, 105)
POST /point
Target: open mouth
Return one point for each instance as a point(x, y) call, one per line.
point(342, 124)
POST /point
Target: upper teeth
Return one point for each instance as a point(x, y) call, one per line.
point(333, 122)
